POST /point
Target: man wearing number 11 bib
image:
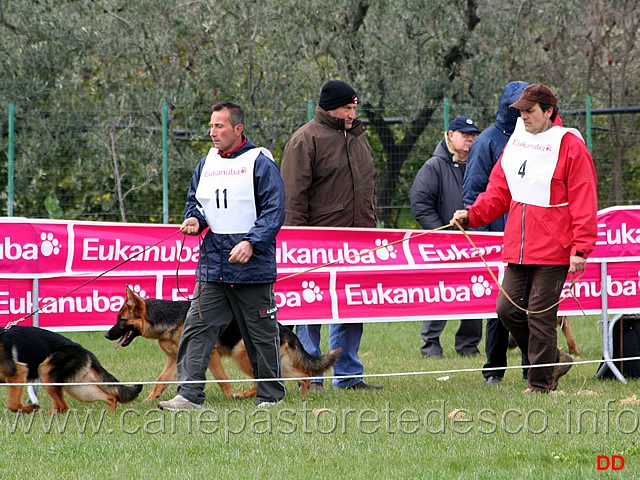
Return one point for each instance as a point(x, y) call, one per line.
point(236, 191)
point(546, 181)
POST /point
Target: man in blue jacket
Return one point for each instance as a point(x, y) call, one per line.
point(237, 192)
point(483, 155)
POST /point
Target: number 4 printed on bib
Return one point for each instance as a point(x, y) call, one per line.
point(522, 169)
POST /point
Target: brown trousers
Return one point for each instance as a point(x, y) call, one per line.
point(534, 288)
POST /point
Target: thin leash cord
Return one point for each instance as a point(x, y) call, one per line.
point(203, 248)
point(203, 255)
point(574, 279)
point(353, 256)
point(472, 243)
point(202, 243)
point(92, 279)
point(396, 374)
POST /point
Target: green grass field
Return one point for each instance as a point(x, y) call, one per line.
point(404, 431)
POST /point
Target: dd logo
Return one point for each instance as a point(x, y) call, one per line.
point(613, 462)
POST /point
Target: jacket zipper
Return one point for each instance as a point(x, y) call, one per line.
point(524, 209)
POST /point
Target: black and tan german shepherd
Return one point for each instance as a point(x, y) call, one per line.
point(30, 353)
point(163, 320)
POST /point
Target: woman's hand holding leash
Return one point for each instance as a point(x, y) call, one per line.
point(461, 217)
point(576, 264)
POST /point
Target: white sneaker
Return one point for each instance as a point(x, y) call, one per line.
point(179, 403)
point(270, 404)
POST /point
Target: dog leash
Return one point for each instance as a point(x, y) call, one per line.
point(574, 279)
point(15, 322)
point(203, 248)
point(353, 256)
point(328, 264)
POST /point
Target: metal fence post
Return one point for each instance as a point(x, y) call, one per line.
point(165, 165)
point(309, 110)
point(446, 114)
point(588, 115)
point(606, 330)
point(10, 174)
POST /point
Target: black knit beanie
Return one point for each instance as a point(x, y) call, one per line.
point(336, 93)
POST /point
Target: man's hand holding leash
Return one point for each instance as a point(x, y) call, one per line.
point(190, 226)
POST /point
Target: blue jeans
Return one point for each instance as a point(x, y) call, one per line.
point(341, 335)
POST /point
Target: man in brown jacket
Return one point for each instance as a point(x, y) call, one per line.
point(329, 180)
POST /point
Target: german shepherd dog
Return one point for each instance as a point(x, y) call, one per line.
point(30, 353)
point(163, 320)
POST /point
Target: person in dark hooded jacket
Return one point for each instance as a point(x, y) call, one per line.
point(487, 148)
point(483, 155)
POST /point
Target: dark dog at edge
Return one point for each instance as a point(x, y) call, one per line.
point(29, 353)
point(163, 320)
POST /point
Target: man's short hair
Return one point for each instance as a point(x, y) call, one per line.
point(236, 113)
point(546, 106)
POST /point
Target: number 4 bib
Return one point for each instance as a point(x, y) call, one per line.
point(529, 161)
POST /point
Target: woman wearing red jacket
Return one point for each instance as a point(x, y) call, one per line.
point(546, 181)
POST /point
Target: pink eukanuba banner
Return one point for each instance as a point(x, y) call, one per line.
point(75, 273)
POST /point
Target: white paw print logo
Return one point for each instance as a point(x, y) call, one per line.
point(138, 290)
point(50, 245)
point(481, 287)
point(311, 292)
point(384, 250)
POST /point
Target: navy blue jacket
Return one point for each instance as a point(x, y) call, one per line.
point(487, 148)
point(269, 198)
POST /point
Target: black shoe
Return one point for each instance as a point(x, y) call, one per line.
point(472, 352)
point(432, 355)
point(493, 380)
point(364, 386)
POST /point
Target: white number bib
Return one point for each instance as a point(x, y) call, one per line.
point(529, 161)
point(225, 191)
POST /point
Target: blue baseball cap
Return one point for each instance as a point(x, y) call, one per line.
point(463, 124)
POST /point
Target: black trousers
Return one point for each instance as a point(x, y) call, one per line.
point(467, 337)
point(212, 309)
point(496, 346)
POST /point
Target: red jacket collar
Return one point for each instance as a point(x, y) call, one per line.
point(230, 153)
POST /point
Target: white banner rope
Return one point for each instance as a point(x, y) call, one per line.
point(329, 377)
